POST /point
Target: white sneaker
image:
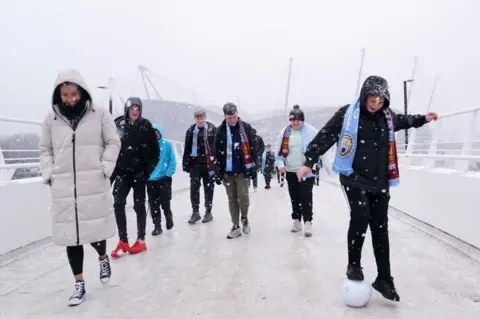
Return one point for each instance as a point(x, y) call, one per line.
point(78, 294)
point(297, 226)
point(235, 232)
point(308, 229)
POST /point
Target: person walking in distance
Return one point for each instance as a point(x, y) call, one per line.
point(159, 185)
point(137, 160)
point(367, 162)
point(198, 162)
point(235, 159)
point(290, 146)
point(78, 149)
point(258, 165)
point(268, 165)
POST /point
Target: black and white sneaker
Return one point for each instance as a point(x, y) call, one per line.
point(78, 294)
point(105, 270)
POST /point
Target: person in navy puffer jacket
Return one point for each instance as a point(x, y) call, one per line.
point(159, 185)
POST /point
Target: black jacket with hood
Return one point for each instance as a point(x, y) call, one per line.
point(188, 162)
point(139, 153)
point(370, 164)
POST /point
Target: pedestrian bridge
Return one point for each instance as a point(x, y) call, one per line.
point(195, 272)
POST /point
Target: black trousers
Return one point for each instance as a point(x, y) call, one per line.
point(268, 178)
point(367, 208)
point(198, 175)
point(160, 194)
point(75, 255)
point(121, 188)
point(301, 197)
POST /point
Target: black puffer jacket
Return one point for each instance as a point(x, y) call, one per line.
point(188, 162)
point(139, 153)
point(370, 163)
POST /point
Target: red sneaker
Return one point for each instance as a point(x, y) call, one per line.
point(122, 249)
point(138, 247)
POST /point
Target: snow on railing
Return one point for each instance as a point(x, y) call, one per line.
point(178, 148)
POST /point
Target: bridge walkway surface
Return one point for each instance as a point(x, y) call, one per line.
point(195, 272)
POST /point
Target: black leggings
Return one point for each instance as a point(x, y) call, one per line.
point(367, 208)
point(301, 197)
point(75, 255)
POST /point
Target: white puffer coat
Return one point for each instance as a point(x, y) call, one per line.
point(77, 166)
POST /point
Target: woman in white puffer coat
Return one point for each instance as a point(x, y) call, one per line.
point(79, 146)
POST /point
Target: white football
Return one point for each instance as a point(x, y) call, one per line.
point(356, 294)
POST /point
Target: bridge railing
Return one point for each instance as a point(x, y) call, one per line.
point(34, 161)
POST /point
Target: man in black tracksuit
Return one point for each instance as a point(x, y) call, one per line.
point(138, 157)
point(199, 165)
point(367, 188)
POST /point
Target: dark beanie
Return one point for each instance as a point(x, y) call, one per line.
point(229, 109)
point(297, 114)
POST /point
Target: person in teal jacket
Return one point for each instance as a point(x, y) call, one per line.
point(159, 185)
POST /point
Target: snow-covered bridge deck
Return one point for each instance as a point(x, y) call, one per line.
point(195, 272)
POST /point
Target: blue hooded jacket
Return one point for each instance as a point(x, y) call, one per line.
point(167, 163)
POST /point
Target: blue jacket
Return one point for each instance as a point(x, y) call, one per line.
point(167, 163)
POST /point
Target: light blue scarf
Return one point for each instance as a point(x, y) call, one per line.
point(347, 143)
point(195, 140)
point(229, 167)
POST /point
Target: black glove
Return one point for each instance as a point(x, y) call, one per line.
point(218, 180)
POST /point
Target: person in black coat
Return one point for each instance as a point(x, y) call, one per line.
point(260, 147)
point(139, 155)
point(268, 165)
point(235, 161)
point(198, 162)
point(367, 161)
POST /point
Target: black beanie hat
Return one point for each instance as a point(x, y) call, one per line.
point(297, 114)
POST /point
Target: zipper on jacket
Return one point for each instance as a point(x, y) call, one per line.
point(75, 189)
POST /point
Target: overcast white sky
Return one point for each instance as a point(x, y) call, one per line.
point(239, 50)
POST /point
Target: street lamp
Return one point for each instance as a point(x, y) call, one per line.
point(405, 101)
point(110, 100)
